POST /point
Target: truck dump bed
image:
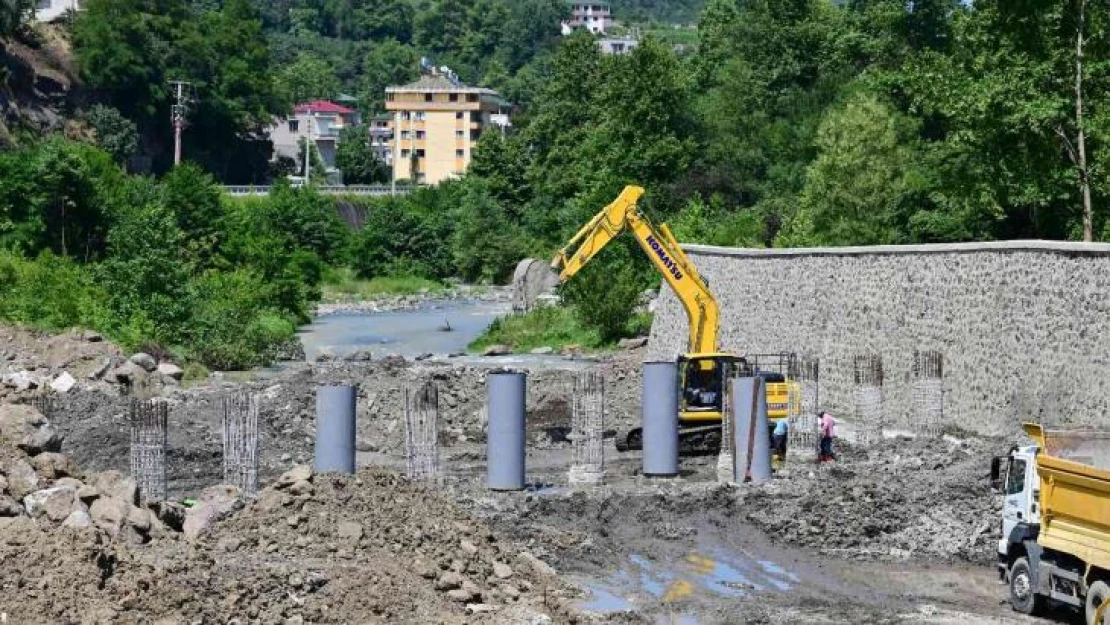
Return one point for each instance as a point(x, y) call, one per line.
point(1074, 469)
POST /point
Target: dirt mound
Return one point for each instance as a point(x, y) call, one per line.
point(902, 499)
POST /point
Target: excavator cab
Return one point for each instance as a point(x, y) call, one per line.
point(702, 385)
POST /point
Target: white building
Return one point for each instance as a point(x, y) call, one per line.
point(321, 122)
point(617, 45)
point(595, 17)
point(52, 10)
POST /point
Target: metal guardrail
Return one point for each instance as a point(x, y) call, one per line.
point(353, 189)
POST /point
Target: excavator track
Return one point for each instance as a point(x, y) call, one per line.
point(698, 440)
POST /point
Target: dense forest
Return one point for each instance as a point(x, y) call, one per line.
point(791, 123)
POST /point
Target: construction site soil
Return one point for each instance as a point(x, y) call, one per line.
point(902, 531)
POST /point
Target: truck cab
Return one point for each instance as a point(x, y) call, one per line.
point(1016, 477)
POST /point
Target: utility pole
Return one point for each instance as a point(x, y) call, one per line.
point(308, 145)
point(177, 114)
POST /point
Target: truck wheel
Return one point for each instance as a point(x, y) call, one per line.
point(1023, 596)
point(1096, 594)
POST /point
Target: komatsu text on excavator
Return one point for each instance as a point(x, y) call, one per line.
point(704, 369)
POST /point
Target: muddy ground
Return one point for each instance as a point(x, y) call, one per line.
point(900, 532)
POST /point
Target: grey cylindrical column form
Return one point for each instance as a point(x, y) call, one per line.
point(335, 429)
point(506, 393)
point(744, 398)
point(752, 438)
point(760, 470)
point(660, 414)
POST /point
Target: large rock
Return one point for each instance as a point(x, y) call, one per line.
point(360, 355)
point(20, 380)
point(100, 369)
point(109, 513)
point(78, 520)
point(64, 383)
point(497, 350)
point(127, 373)
point(55, 504)
point(28, 429)
point(631, 344)
point(9, 507)
point(299, 473)
point(532, 279)
point(144, 360)
point(213, 504)
point(171, 370)
point(22, 479)
point(115, 484)
point(52, 465)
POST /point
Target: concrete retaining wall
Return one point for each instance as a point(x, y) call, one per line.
point(1024, 326)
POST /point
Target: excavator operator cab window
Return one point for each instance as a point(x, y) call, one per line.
point(703, 385)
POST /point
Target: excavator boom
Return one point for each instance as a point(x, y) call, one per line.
point(663, 251)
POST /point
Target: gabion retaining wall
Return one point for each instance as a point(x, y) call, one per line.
point(1023, 326)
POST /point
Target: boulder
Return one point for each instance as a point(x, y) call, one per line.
point(543, 351)
point(497, 350)
point(78, 520)
point(325, 355)
point(299, 473)
point(171, 371)
point(127, 373)
point(360, 355)
point(52, 465)
point(20, 381)
point(115, 484)
point(532, 278)
point(109, 513)
point(635, 343)
point(99, 370)
point(22, 479)
point(28, 429)
point(55, 504)
point(9, 507)
point(64, 383)
point(144, 360)
point(214, 503)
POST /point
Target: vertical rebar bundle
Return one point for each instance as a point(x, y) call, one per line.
point(148, 447)
point(867, 398)
point(44, 404)
point(726, 458)
point(587, 429)
point(240, 435)
point(422, 431)
point(928, 392)
point(804, 404)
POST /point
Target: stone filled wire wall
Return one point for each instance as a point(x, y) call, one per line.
point(1024, 326)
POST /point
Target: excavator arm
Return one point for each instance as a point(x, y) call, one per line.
point(663, 251)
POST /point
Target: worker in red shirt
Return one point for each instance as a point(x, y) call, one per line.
point(827, 426)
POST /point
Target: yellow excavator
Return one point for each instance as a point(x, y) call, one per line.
point(704, 369)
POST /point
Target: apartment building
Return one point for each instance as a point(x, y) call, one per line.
point(381, 138)
point(319, 121)
point(595, 17)
point(437, 120)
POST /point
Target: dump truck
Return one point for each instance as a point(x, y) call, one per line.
point(1055, 545)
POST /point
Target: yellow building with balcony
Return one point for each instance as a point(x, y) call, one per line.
point(437, 120)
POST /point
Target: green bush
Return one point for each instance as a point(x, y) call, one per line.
point(231, 327)
point(605, 293)
point(50, 293)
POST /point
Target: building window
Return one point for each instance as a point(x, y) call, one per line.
point(420, 116)
point(405, 153)
point(405, 134)
point(460, 134)
point(294, 125)
point(472, 97)
point(454, 97)
point(420, 134)
point(406, 115)
point(460, 153)
point(420, 153)
point(459, 115)
point(427, 97)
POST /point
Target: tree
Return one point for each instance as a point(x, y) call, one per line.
point(856, 189)
point(308, 78)
point(354, 156)
point(13, 14)
point(115, 134)
point(389, 62)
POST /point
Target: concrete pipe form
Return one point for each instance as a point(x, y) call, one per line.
point(506, 393)
point(660, 416)
point(335, 429)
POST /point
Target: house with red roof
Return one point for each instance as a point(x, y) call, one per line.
point(319, 122)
